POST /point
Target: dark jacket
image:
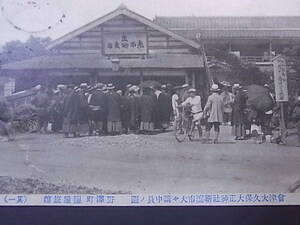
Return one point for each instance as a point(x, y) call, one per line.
point(114, 103)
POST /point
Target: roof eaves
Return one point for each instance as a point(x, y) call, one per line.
point(84, 28)
point(117, 12)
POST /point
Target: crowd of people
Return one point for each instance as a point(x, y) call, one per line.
point(102, 110)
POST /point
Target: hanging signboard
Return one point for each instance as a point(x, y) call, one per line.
point(125, 43)
point(280, 79)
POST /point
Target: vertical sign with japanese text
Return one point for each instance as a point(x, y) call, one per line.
point(280, 79)
point(124, 43)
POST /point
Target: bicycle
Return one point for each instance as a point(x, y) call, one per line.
point(183, 125)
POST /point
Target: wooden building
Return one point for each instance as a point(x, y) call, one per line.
point(121, 47)
point(125, 47)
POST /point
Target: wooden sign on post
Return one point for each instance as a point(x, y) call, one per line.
point(281, 90)
point(280, 79)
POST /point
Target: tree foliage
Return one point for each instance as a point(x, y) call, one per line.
point(17, 50)
point(243, 73)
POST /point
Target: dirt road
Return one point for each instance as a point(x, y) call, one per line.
point(153, 164)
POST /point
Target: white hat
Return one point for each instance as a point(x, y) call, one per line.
point(236, 86)
point(135, 88)
point(38, 87)
point(110, 86)
point(299, 98)
point(83, 85)
point(60, 86)
point(215, 87)
point(266, 85)
point(55, 91)
point(119, 91)
point(191, 90)
point(185, 85)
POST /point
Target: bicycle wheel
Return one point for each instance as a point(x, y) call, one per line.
point(180, 130)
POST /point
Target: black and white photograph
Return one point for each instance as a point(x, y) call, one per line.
point(139, 98)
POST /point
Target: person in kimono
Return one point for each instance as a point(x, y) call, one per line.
point(71, 106)
point(114, 103)
point(83, 109)
point(162, 109)
point(125, 113)
point(133, 102)
point(98, 104)
point(56, 107)
point(147, 109)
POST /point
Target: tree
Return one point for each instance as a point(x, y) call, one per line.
point(17, 50)
point(243, 73)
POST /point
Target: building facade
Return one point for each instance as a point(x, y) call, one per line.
point(124, 47)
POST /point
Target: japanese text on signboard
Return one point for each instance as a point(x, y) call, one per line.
point(280, 79)
point(124, 43)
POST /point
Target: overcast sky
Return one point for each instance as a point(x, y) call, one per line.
point(35, 16)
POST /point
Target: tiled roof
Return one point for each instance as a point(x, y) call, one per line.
point(90, 61)
point(233, 27)
point(229, 22)
point(241, 34)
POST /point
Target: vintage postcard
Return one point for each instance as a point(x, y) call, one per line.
point(146, 103)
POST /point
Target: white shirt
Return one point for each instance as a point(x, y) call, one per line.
point(175, 99)
point(195, 103)
point(157, 93)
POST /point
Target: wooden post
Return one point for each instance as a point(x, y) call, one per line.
point(282, 124)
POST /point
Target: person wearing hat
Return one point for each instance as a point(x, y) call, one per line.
point(98, 108)
point(104, 89)
point(83, 127)
point(70, 112)
point(42, 102)
point(128, 86)
point(163, 105)
point(133, 103)
point(114, 103)
point(238, 116)
point(56, 110)
point(214, 109)
point(136, 90)
point(147, 106)
point(228, 100)
point(119, 92)
point(125, 112)
point(184, 92)
point(195, 102)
